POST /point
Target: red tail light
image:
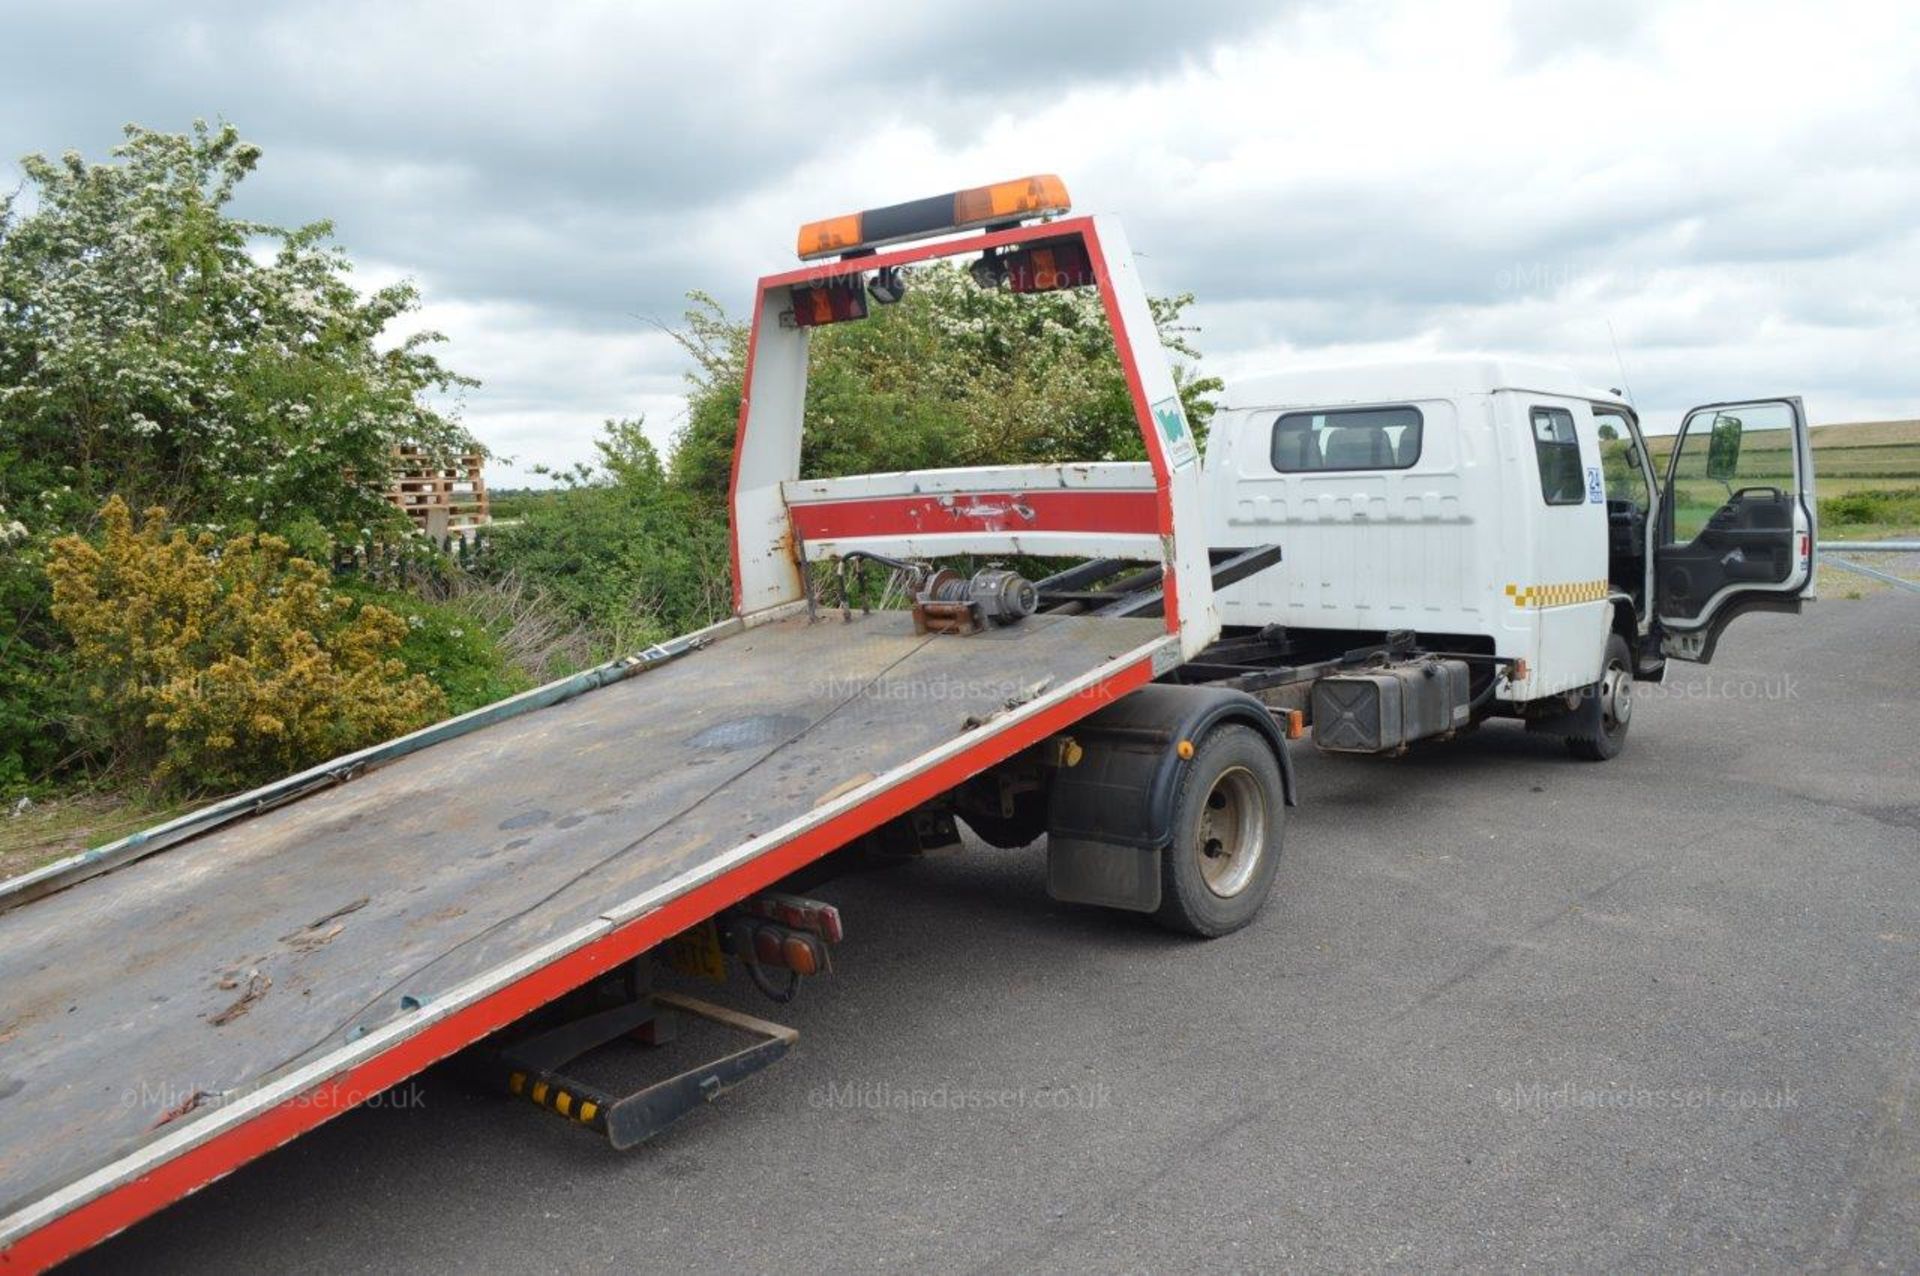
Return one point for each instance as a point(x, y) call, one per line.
point(798, 912)
point(833, 302)
point(1062, 263)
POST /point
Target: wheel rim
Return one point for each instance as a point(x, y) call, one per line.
point(1232, 833)
point(1616, 697)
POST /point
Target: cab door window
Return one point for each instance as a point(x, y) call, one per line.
point(1626, 480)
point(1746, 449)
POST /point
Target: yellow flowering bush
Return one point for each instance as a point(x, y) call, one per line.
point(219, 665)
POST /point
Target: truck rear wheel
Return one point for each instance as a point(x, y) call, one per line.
point(1228, 819)
point(1606, 709)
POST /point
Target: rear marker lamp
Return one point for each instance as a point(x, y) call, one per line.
point(782, 949)
point(803, 954)
point(1001, 204)
point(798, 913)
point(1059, 263)
point(835, 301)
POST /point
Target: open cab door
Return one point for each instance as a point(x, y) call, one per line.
point(1736, 526)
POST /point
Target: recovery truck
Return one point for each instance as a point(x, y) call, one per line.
point(1459, 548)
point(1478, 538)
point(183, 1001)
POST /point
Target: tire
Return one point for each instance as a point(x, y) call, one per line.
point(1229, 814)
point(1606, 707)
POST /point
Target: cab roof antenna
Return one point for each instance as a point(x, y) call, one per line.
point(1625, 385)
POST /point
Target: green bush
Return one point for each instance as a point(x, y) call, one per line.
point(211, 666)
point(516, 502)
point(445, 644)
point(156, 346)
point(36, 690)
point(621, 550)
point(1897, 506)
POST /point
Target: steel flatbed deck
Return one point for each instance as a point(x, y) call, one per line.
point(174, 1000)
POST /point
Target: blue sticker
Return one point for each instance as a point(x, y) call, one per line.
point(1596, 486)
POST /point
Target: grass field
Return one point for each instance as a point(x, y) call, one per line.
point(1866, 474)
point(54, 828)
point(1853, 436)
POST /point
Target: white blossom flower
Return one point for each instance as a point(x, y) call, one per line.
point(11, 531)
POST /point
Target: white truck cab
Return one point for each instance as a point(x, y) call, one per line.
point(1507, 513)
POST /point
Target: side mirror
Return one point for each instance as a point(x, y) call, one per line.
point(1633, 457)
point(1723, 448)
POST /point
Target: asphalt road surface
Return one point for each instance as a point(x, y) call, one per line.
point(1504, 1008)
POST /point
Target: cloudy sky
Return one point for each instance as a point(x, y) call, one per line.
point(1730, 189)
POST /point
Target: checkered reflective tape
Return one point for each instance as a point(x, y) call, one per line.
point(1579, 591)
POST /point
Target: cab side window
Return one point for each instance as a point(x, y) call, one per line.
point(1558, 450)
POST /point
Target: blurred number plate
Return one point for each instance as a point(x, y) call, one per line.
point(697, 952)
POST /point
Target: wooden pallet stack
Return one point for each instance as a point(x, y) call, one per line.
point(442, 495)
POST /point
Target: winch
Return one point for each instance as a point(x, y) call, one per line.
point(950, 603)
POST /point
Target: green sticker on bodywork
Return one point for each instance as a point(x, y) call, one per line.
point(1172, 420)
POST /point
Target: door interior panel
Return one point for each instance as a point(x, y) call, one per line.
point(1626, 547)
point(1747, 541)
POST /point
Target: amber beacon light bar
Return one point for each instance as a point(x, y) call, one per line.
point(1003, 203)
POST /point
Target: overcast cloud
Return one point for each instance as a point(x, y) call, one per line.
point(1733, 188)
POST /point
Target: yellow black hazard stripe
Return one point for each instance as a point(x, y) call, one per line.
point(554, 1099)
point(1564, 595)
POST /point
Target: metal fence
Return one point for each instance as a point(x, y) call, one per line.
point(1833, 551)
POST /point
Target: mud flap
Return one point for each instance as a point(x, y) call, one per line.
point(1081, 872)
